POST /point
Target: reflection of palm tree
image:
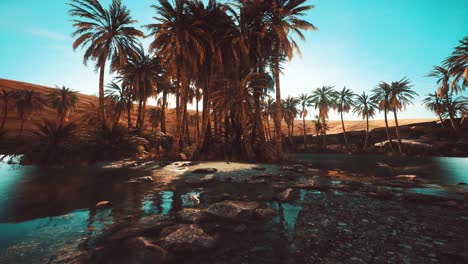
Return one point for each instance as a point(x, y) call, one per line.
point(6, 102)
point(366, 108)
point(306, 102)
point(402, 95)
point(63, 100)
point(381, 95)
point(324, 99)
point(433, 103)
point(27, 102)
point(106, 33)
point(344, 103)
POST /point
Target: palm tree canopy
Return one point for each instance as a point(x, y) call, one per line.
point(62, 99)
point(443, 81)
point(345, 100)
point(28, 101)
point(364, 106)
point(382, 95)
point(401, 94)
point(434, 103)
point(290, 110)
point(106, 33)
point(324, 99)
point(457, 62)
point(305, 101)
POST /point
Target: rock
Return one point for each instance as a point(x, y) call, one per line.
point(103, 204)
point(408, 177)
point(383, 169)
point(140, 250)
point(285, 196)
point(193, 215)
point(465, 195)
point(381, 193)
point(205, 170)
point(265, 214)
point(423, 197)
point(70, 257)
point(259, 168)
point(454, 253)
point(306, 184)
point(185, 237)
point(141, 179)
point(240, 228)
point(233, 210)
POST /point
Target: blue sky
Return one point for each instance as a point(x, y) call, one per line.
point(359, 43)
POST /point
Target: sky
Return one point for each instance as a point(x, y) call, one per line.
point(359, 44)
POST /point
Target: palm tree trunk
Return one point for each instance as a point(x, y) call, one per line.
point(140, 106)
point(279, 145)
point(129, 118)
point(179, 118)
point(197, 134)
point(397, 129)
point(386, 130)
point(367, 133)
point(268, 128)
point(441, 120)
point(102, 113)
point(344, 131)
point(292, 130)
point(305, 131)
point(143, 111)
point(163, 112)
point(5, 113)
point(449, 108)
point(117, 118)
point(324, 133)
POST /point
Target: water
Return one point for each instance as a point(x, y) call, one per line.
point(442, 170)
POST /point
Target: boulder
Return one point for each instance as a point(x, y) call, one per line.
point(102, 204)
point(186, 237)
point(233, 210)
point(205, 170)
point(407, 177)
point(140, 250)
point(141, 179)
point(285, 196)
point(193, 215)
point(265, 214)
point(381, 193)
point(383, 169)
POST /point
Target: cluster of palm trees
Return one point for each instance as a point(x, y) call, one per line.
point(452, 79)
point(26, 101)
point(226, 55)
point(385, 97)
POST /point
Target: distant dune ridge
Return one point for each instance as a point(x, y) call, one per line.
point(13, 123)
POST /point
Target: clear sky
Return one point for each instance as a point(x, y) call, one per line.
point(359, 43)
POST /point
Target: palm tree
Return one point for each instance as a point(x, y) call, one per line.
point(433, 103)
point(269, 113)
point(457, 62)
point(6, 101)
point(344, 103)
point(290, 110)
point(381, 95)
point(401, 96)
point(27, 102)
point(106, 34)
point(285, 17)
point(366, 108)
point(181, 44)
point(154, 118)
point(324, 99)
point(120, 97)
point(445, 89)
point(64, 100)
point(306, 101)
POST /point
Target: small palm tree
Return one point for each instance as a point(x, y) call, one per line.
point(27, 102)
point(445, 89)
point(63, 100)
point(324, 99)
point(290, 110)
point(120, 97)
point(306, 101)
point(154, 118)
point(366, 108)
point(381, 95)
point(433, 103)
point(106, 34)
point(401, 96)
point(344, 103)
point(6, 102)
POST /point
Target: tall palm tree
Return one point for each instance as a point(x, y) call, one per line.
point(445, 88)
point(284, 18)
point(290, 110)
point(366, 108)
point(6, 102)
point(433, 103)
point(457, 62)
point(381, 95)
point(120, 97)
point(401, 96)
point(305, 101)
point(64, 100)
point(181, 44)
point(344, 103)
point(324, 99)
point(27, 102)
point(106, 34)
point(269, 113)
